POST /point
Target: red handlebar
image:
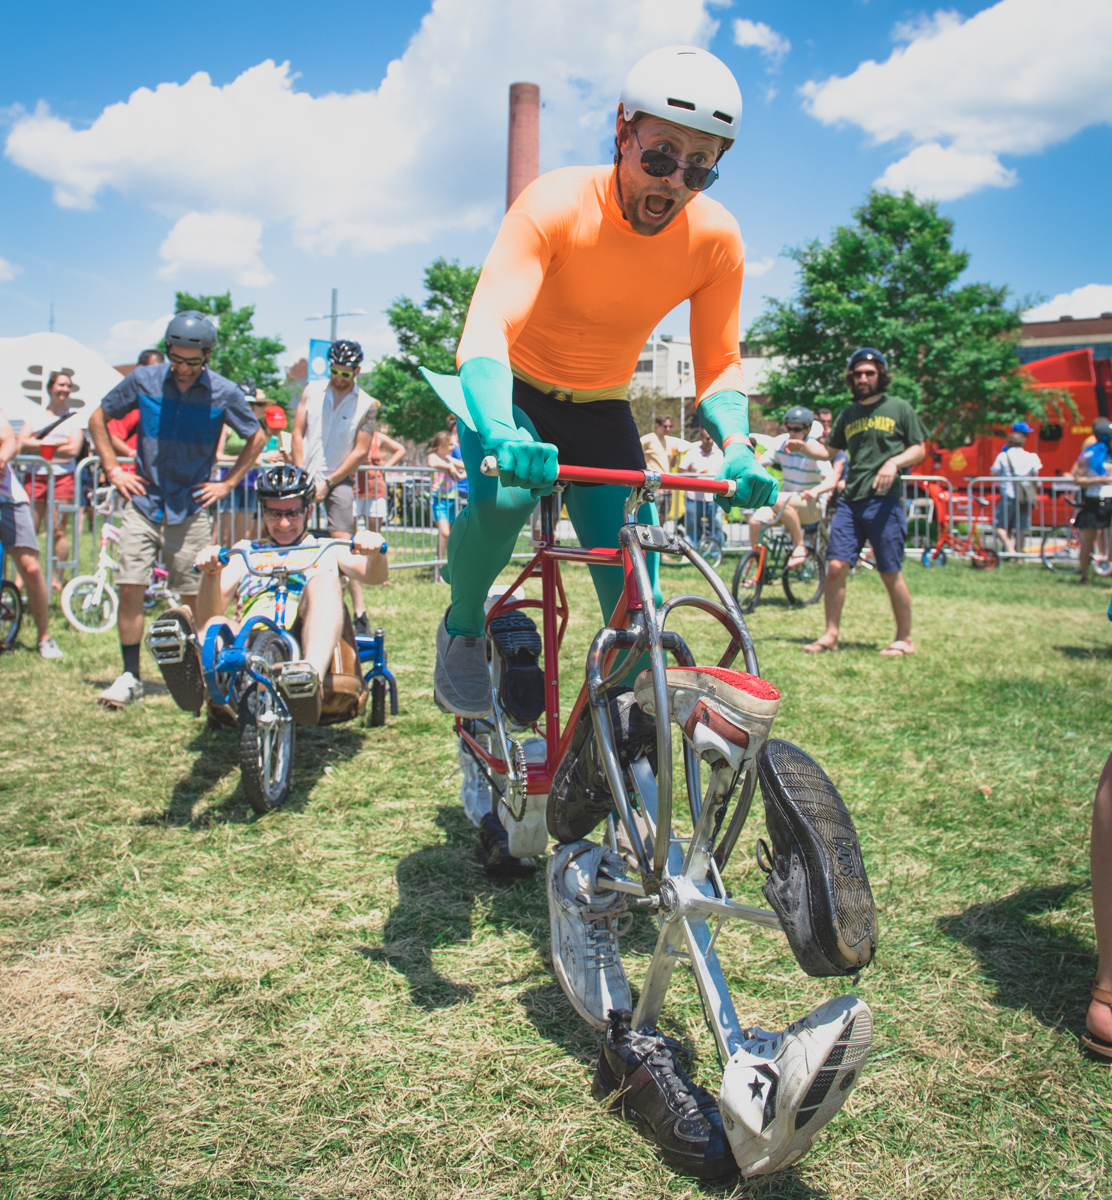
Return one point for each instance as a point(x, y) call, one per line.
point(632, 479)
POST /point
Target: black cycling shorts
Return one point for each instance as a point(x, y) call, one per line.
point(1096, 513)
point(599, 433)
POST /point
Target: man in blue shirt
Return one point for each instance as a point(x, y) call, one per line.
point(1093, 470)
point(182, 409)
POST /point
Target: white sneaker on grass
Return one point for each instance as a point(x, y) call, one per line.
point(583, 920)
point(125, 690)
point(49, 648)
point(780, 1089)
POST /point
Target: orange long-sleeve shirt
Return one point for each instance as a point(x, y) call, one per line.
point(569, 294)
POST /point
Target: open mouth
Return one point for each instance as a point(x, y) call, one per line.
point(657, 207)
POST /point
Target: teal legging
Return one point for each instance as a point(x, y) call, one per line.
point(484, 535)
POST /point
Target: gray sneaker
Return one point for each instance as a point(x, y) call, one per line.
point(461, 677)
point(49, 648)
point(583, 919)
point(124, 690)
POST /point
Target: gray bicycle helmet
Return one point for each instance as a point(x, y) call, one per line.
point(286, 482)
point(799, 416)
point(191, 329)
point(866, 354)
point(1102, 429)
point(345, 354)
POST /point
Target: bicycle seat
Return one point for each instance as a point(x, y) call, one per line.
point(726, 714)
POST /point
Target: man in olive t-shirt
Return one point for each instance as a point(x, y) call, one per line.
point(881, 434)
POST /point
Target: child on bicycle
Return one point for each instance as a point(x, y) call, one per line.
point(286, 494)
point(804, 482)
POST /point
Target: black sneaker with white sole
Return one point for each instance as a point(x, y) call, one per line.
point(816, 881)
point(639, 1078)
point(494, 852)
point(580, 797)
point(521, 680)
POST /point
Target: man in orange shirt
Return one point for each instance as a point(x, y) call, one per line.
point(586, 264)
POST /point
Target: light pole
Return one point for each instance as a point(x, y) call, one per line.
point(334, 315)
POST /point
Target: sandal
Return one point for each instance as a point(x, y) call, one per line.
point(797, 557)
point(819, 647)
point(1094, 1044)
point(898, 650)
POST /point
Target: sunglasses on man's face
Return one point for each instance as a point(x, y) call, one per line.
point(797, 428)
point(185, 362)
point(276, 514)
point(660, 165)
point(341, 372)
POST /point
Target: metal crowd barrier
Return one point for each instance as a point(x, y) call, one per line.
point(1050, 509)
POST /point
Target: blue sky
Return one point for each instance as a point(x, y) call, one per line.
point(281, 183)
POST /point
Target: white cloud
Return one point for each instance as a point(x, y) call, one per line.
point(127, 338)
point(1088, 301)
point(223, 243)
point(1013, 79)
point(758, 36)
point(755, 268)
point(945, 172)
point(421, 154)
point(8, 271)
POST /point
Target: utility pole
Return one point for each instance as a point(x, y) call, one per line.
point(334, 315)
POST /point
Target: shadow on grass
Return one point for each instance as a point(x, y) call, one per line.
point(217, 755)
point(1033, 965)
point(1095, 651)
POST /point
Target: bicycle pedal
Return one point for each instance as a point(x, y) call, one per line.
point(299, 680)
point(520, 679)
point(168, 642)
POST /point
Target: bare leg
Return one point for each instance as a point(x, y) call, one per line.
point(130, 619)
point(27, 561)
point(900, 598)
point(833, 598)
point(354, 589)
point(322, 617)
point(443, 530)
point(1088, 536)
point(1005, 541)
point(1100, 868)
point(755, 528)
point(61, 544)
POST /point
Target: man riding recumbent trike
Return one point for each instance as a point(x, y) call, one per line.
point(292, 657)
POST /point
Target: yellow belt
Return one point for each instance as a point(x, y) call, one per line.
point(573, 395)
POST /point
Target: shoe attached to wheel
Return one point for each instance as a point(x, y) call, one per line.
point(172, 641)
point(461, 677)
point(494, 852)
point(639, 1077)
point(780, 1089)
point(300, 686)
point(580, 796)
point(125, 689)
point(517, 645)
point(816, 880)
point(583, 917)
point(726, 715)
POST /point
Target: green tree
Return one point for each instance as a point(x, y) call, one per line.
point(890, 281)
point(428, 335)
point(240, 353)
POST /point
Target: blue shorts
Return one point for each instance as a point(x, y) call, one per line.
point(443, 509)
point(880, 520)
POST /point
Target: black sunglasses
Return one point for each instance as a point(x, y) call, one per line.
point(659, 165)
point(797, 428)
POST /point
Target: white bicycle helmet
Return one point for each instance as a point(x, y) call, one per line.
point(687, 86)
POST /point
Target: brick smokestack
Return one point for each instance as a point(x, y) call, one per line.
point(523, 162)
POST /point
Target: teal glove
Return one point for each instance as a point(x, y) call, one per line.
point(726, 413)
point(522, 461)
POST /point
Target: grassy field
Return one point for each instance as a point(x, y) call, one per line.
point(334, 1001)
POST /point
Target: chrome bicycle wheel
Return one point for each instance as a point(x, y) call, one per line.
point(266, 732)
point(90, 603)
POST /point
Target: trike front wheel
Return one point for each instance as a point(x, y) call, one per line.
point(748, 581)
point(89, 603)
point(266, 732)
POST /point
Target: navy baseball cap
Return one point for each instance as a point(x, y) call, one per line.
point(1022, 427)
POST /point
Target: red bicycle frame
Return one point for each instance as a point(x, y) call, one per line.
point(545, 565)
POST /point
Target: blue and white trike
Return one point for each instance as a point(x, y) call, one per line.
point(241, 671)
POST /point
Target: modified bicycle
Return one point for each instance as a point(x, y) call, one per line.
point(241, 670)
point(768, 561)
point(611, 762)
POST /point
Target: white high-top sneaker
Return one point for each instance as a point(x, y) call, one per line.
point(780, 1089)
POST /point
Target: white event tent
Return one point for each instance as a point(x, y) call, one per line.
point(25, 367)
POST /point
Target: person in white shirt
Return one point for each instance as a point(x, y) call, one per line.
point(332, 431)
point(804, 481)
point(1013, 509)
point(662, 452)
point(702, 459)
